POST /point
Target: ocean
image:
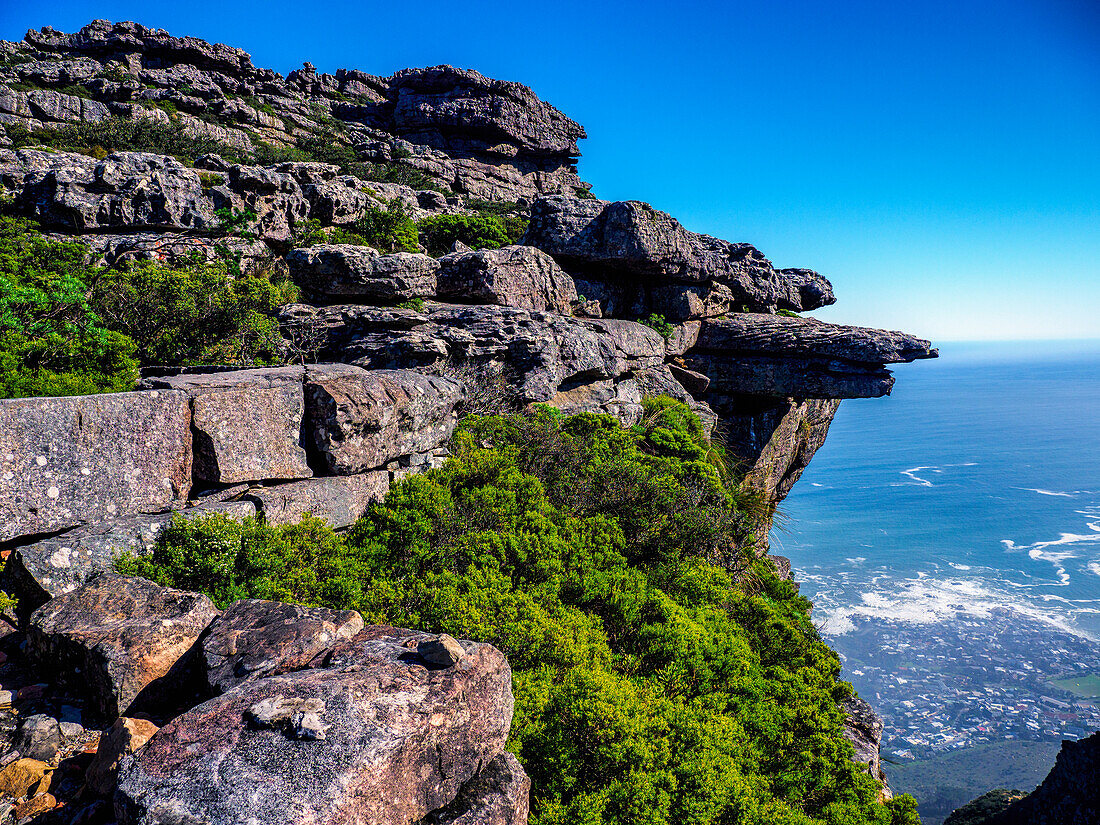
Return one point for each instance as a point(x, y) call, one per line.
point(974, 488)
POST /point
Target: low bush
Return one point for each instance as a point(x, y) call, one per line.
point(658, 323)
point(481, 231)
point(388, 230)
point(652, 684)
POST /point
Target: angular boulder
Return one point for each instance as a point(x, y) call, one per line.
point(361, 420)
point(515, 276)
point(120, 640)
point(67, 461)
point(499, 795)
point(778, 356)
point(630, 242)
point(339, 500)
point(375, 738)
point(38, 572)
point(335, 272)
point(255, 638)
point(121, 739)
point(247, 423)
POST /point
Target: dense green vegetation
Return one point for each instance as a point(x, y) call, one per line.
point(123, 135)
point(67, 328)
point(661, 676)
point(484, 230)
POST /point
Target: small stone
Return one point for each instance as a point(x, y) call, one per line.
point(23, 776)
point(123, 737)
point(32, 807)
point(31, 692)
point(6, 698)
point(70, 730)
point(443, 651)
point(39, 737)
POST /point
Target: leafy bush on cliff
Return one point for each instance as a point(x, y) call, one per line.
point(124, 135)
point(52, 341)
point(482, 231)
point(389, 230)
point(653, 684)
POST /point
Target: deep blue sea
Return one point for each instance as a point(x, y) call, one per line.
point(973, 489)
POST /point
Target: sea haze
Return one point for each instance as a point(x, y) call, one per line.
point(949, 537)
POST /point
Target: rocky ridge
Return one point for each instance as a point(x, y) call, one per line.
point(405, 340)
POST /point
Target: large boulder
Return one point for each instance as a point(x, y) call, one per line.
point(37, 572)
point(361, 420)
point(247, 423)
point(499, 795)
point(335, 272)
point(377, 737)
point(125, 736)
point(515, 276)
point(628, 243)
point(778, 356)
point(255, 638)
point(67, 461)
point(119, 640)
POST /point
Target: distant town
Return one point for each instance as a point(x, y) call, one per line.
point(945, 687)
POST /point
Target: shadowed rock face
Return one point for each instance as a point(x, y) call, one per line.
point(387, 740)
point(499, 795)
point(115, 637)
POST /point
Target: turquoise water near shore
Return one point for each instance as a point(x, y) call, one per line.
point(973, 489)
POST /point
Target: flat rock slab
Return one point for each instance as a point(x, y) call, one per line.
point(339, 500)
point(255, 638)
point(115, 637)
point(499, 795)
point(377, 738)
point(361, 420)
point(68, 461)
point(38, 572)
point(247, 423)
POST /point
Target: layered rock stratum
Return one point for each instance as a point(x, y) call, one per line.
point(270, 713)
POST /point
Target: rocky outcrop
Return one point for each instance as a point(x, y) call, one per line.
point(339, 500)
point(863, 728)
point(342, 272)
point(375, 736)
point(640, 260)
point(499, 795)
point(514, 276)
point(68, 461)
point(123, 638)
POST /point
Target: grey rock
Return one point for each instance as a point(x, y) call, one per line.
point(630, 243)
point(777, 356)
point(342, 271)
point(255, 638)
point(442, 651)
point(339, 500)
point(516, 276)
point(360, 420)
point(38, 572)
point(400, 740)
point(66, 461)
point(39, 737)
point(247, 423)
point(120, 640)
point(863, 728)
point(499, 795)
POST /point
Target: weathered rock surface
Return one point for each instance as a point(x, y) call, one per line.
point(339, 500)
point(343, 272)
point(38, 737)
point(629, 241)
point(778, 356)
point(37, 572)
point(360, 420)
point(247, 423)
point(398, 740)
point(499, 795)
point(125, 736)
point(544, 352)
point(863, 728)
point(117, 637)
point(515, 276)
point(255, 638)
point(67, 461)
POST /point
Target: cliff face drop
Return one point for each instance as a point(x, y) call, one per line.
point(599, 305)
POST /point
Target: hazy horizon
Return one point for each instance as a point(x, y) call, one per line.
point(937, 162)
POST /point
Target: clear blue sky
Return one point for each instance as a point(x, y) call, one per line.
point(939, 161)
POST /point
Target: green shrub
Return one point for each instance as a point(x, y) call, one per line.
point(652, 685)
point(482, 231)
point(413, 303)
point(388, 230)
point(658, 323)
point(786, 313)
point(118, 134)
point(52, 341)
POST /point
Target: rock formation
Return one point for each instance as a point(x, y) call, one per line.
point(600, 305)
